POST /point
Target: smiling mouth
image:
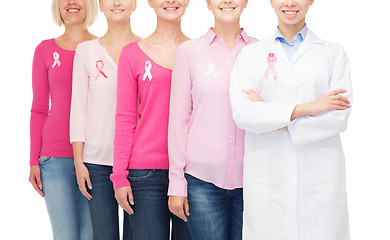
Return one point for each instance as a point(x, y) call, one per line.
point(117, 10)
point(290, 12)
point(73, 10)
point(227, 9)
point(171, 8)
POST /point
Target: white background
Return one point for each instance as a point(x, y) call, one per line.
point(360, 26)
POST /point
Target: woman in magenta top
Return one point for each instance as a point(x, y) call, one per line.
point(52, 171)
point(140, 172)
point(205, 145)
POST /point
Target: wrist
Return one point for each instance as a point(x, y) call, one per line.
point(78, 162)
point(301, 110)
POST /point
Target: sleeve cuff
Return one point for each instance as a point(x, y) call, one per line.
point(120, 179)
point(177, 188)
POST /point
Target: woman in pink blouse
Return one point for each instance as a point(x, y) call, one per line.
point(140, 172)
point(92, 117)
point(52, 172)
point(205, 145)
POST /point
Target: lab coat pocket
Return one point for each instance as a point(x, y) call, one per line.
point(331, 174)
point(256, 187)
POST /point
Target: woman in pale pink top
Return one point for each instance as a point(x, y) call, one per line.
point(140, 173)
point(205, 145)
point(52, 171)
point(92, 117)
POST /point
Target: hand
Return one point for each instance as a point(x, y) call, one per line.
point(253, 95)
point(330, 101)
point(124, 196)
point(177, 204)
point(35, 179)
point(284, 128)
point(82, 175)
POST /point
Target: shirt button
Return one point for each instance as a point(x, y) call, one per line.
point(231, 156)
point(228, 59)
point(230, 136)
point(231, 116)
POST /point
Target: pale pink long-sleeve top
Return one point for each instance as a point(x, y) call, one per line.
point(92, 115)
point(50, 110)
point(203, 139)
point(143, 92)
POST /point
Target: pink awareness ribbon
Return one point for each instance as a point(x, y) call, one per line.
point(56, 58)
point(100, 66)
point(271, 61)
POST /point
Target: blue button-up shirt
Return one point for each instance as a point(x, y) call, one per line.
point(291, 48)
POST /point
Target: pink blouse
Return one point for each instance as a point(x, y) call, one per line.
point(203, 139)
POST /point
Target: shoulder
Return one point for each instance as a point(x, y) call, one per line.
point(87, 45)
point(131, 48)
point(251, 50)
point(189, 44)
point(328, 46)
point(45, 45)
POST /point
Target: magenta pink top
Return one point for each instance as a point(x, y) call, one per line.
point(143, 93)
point(204, 141)
point(50, 110)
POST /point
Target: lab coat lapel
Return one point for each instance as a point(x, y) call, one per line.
point(309, 41)
point(278, 50)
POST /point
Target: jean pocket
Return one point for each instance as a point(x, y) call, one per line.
point(44, 160)
point(139, 174)
point(331, 176)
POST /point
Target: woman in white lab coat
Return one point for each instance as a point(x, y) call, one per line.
point(294, 169)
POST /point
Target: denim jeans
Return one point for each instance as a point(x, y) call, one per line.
point(151, 218)
point(215, 213)
point(67, 207)
point(103, 205)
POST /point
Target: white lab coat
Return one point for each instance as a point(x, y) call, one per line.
point(294, 181)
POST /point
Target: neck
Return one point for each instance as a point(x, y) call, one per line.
point(168, 31)
point(289, 31)
point(119, 33)
point(228, 32)
point(76, 33)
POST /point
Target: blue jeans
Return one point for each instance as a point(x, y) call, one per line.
point(151, 218)
point(215, 213)
point(103, 205)
point(67, 207)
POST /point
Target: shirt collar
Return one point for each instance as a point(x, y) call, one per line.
point(302, 33)
point(211, 36)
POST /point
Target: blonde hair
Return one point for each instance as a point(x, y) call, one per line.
point(92, 11)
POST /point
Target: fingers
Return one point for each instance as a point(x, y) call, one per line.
point(83, 189)
point(337, 91)
point(177, 205)
point(123, 196)
point(253, 95)
point(342, 103)
point(130, 197)
point(37, 184)
point(187, 207)
point(340, 98)
point(125, 205)
point(89, 184)
point(180, 213)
